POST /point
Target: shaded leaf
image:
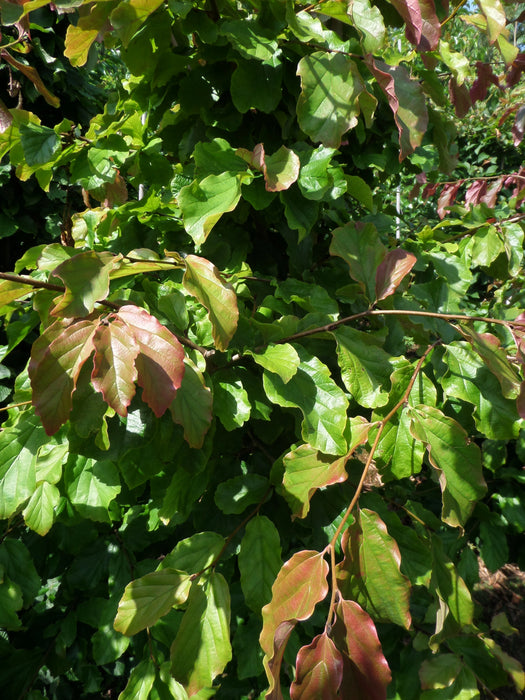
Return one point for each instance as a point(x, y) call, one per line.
point(160, 362)
point(86, 278)
point(450, 587)
point(192, 407)
point(319, 670)
point(457, 460)
point(114, 373)
point(392, 270)
point(203, 280)
point(235, 495)
point(362, 250)
point(300, 585)
point(366, 674)
point(91, 486)
point(259, 561)
point(149, 598)
point(406, 101)
point(40, 144)
point(202, 646)
point(33, 75)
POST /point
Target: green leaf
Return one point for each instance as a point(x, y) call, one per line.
point(204, 281)
point(160, 362)
point(495, 15)
point(40, 144)
point(251, 40)
point(129, 15)
point(305, 471)
point(369, 22)
point(328, 105)
point(217, 156)
point(9, 291)
point(315, 179)
point(57, 357)
point(192, 406)
point(365, 366)
point(469, 379)
point(440, 671)
point(322, 403)
point(32, 75)
point(494, 356)
point(259, 561)
point(203, 203)
point(91, 486)
point(406, 101)
point(18, 450)
point(231, 403)
point(379, 559)
point(281, 169)
point(39, 514)
point(362, 250)
point(194, 553)
point(149, 598)
point(449, 586)
point(86, 278)
point(202, 646)
point(108, 645)
point(456, 459)
point(16, 562)
point(398, 450)
point(359, 190)
point(140, 681)
point(114, 372)
point(282, 360)
point(301, 214)
point(10, 603)
point(235, 495)
point(299, 586)
point(256, 85)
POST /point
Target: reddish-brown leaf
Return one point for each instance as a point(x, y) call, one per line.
point(391, 271)
point(460, 97)
point(299, 586)
point(56, 360)
point(491, 194)
point(406, 101)
point(520, 401)
point(447, 197)
point(33, 75)
point(423, 28)
point(430, 190)
point(160, 362)
point(319, 671)
point(114, 372)
point(485, 77)
point(475, 192)
point(516, 69)
point(366, 674)
point(421, 179)
point(518, 128)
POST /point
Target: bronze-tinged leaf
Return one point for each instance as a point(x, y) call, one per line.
point(160, 362)
point(114, 372)
point(33, 75)
point(319, 671)
point(203, 281)
point(366, 674)
point(447, 197)
point(56, 360)
point(86, 278)
point(423, 28)
point(406, 100)
point(299, 586)
point(392, 270)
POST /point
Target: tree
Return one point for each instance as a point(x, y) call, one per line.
point(242, 353)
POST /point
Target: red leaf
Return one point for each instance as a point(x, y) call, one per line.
point(475, 191)
point(160, 362)
point(366, 674)
point(114, 373)
point(460, 97)
point(421, 179)
point(319, 671)
point(486, 76)
point(391, 271)
point(423, 28)
point(491, 194)
point(516, 69)
point(299, 586)
point(447, 197)
point(430, 190)
point(56, 360)
point(406, 101)
point(520, 401)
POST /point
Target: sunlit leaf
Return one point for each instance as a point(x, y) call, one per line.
point(283, 360)
point(203, 280)
point(422, 24)
point(86, 277)
point(300, 585)
point(192, 407)
point(392, 270)
point(160, 362)
point(202, 646)
point(456, 459)
point(114, 373)
point(149, 598)
point(39, 514)
point(32, 75)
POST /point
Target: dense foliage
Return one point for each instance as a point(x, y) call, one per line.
point(263, 353)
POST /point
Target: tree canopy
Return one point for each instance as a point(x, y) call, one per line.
point(262, 363)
